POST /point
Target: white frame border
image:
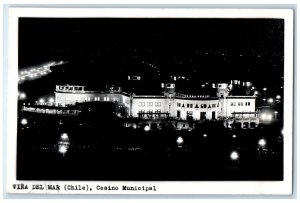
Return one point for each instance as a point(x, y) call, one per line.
point(174, 187)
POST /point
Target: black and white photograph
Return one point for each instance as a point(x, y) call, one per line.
point(150, 99)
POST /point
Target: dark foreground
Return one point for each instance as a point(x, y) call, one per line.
point(103, 150)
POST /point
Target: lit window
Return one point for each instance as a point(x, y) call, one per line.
point(178, 104)
point(136, 78)
point(191, 105)
point(141, 103)
point(157, 104)
point(213, 105)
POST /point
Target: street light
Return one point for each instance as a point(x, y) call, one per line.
point(64, 136)
point(204, 135)
point(22, 95)
point(233, 136)
point(278, 97)
point(256, 92)
point(41, 101)
point(270, 100)
point(24, 121)
point(266, 117)
point(147, 128)
point(276, 113)
point(62, 149)
point(63, 144)
point(51, 100)
point(262, 142)
point(179, 140)
point(264, 89)
point(234, 156)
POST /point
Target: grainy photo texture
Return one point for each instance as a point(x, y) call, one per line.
point(150, 99)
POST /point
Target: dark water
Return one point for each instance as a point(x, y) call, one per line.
point(101, 149)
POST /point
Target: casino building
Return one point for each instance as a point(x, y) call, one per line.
point(222, 101)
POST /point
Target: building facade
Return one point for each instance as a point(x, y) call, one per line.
point(169, 104)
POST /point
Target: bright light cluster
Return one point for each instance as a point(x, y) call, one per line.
point(267, 117)
point(64, 136)
point(234, 156)
point(62, 149)
point(37, 71)
point(179, 140)
point(21, 95)
point(24, 121)
point(262, 142)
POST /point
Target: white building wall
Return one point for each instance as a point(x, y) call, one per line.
point(149, 104)
point(69, 98)
point(63, 98)
point(239, 104)
point(186, 106)
point(125, 100)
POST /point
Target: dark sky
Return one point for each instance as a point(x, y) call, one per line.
point(210, 49)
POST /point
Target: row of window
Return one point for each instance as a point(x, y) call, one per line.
point(70, 88)
point(150, 114)
point(240, 103)
point(60, 98)
point(202, 106)
point(149, 104)
point(66, 98)
point(149, 111)
point(193, 96)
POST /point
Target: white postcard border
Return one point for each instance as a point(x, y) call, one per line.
point(161, 187)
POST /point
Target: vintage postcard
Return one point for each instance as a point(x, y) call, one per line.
point(150, 101)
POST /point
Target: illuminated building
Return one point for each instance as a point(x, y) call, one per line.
point(179, 106)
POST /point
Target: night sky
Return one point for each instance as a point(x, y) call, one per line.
point(203, 49)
